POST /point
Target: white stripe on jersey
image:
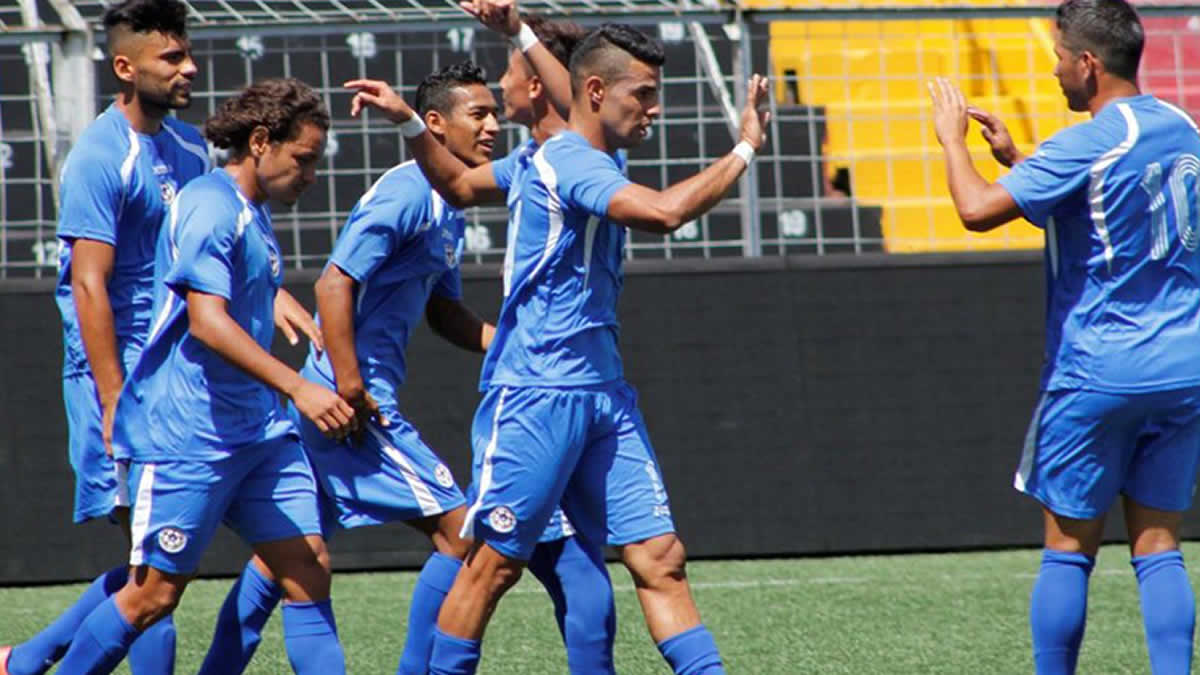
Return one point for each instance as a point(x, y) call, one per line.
point(553, 207)
point(589, 240)
point(1096, 182)
point(196, 149)
point(370, 193)
point(485, 474)
point(1186, 117)
point(425, 499)
point(141, 515)
point(169, 305)
point(127, 166)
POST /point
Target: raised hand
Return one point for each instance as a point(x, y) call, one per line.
point(378, 95)
point(332, 415)
point(996, 134)
point(754, 117)
point(501, 16)
point(949, 111)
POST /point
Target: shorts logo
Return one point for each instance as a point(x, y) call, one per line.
point(273, 258)
point(443, 476)
point(168, 191)
point(502, 519)
point(171, 540)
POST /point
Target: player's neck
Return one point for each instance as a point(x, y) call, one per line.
point(1109, 90)
point(145, 119)
point(242, 171)
point(589, 126)
point(548, 123)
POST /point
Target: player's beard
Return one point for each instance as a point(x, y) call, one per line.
point(171, 97)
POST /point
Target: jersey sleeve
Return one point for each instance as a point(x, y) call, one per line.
point(504, 168)
point(90, 198)
point(205, 232)
point(1059, 168)
point(449, 285)
point(383, 218)
point(589, 180)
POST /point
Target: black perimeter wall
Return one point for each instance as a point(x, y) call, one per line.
point(797, 405)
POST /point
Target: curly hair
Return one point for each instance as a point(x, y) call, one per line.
point(560, 37)
point(280, 104)
point(434, 92)
point(147, 16)
point(606, 52)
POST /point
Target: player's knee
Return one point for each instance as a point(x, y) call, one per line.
point(491, 573)
point(656, 561)
point(151, 599)
point(446, 538)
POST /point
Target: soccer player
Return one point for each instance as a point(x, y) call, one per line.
point(558, 423)
point(199, 419)
point(570, 568)
point(117, 183)
point(1119, 408)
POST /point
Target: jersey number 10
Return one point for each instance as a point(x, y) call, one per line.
point(1184, 201)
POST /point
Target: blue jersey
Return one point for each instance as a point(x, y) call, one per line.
point(1118, 198)
point(116, 187)
point(183, 400)
point(402, 243)
point(558, 323)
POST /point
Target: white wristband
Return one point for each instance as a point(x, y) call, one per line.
point(525, 39)
point(412, 127)
point(744, 150)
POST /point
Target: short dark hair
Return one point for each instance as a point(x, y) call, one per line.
point(560, 37)
point(281, 104)
point(434, 92)
point(1110, 29)
point(147, 16)
point(606, 52)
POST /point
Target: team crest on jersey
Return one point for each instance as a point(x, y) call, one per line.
point(273, 258)
point(168, 191)
point(451, 255)
point(443, 475)
point(172, 540)
point(502, 519)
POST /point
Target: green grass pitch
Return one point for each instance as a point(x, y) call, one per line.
point(952, 613)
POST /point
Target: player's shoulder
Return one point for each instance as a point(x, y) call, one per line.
point(569, 156)
point(187, 136)
point(210, 194)
point(400, 189)
point(105, 143)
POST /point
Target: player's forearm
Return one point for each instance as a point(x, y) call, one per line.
point(966, 185)
point(335, 305)
point(210, 323)
point(97, 329)
point(447, 173)
point(689, 199)
point(553, 75)
point(458, 325)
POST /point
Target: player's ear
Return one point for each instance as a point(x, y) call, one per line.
point(122, 67)
point(259, 142)
point(536, 88)
point(595, 90)
point(436, 122)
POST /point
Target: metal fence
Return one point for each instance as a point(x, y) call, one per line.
point(852, 166)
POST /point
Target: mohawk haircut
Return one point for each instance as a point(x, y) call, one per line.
point(436, 91)
point(147, 16)
point(1110, 29)
point(606, 52)
point(281, 104)
point(560, 37)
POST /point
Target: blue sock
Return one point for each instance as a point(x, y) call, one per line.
point(434, 582)
point(153, 653)
point(578, 583)
point(692, 652)
point(240, 623)
point(1168, 610)
point(43, 650)
point(1058, 610)
point(453, 655)
point(101, 642)
point(310, 636)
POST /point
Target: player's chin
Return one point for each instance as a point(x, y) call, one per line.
point(181, 100)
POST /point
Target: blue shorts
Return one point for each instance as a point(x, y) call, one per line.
point(392, 475)
point(558, 528)
point(584, 447)
point(264, 493)
point(100, 483)
point(1084, 448)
